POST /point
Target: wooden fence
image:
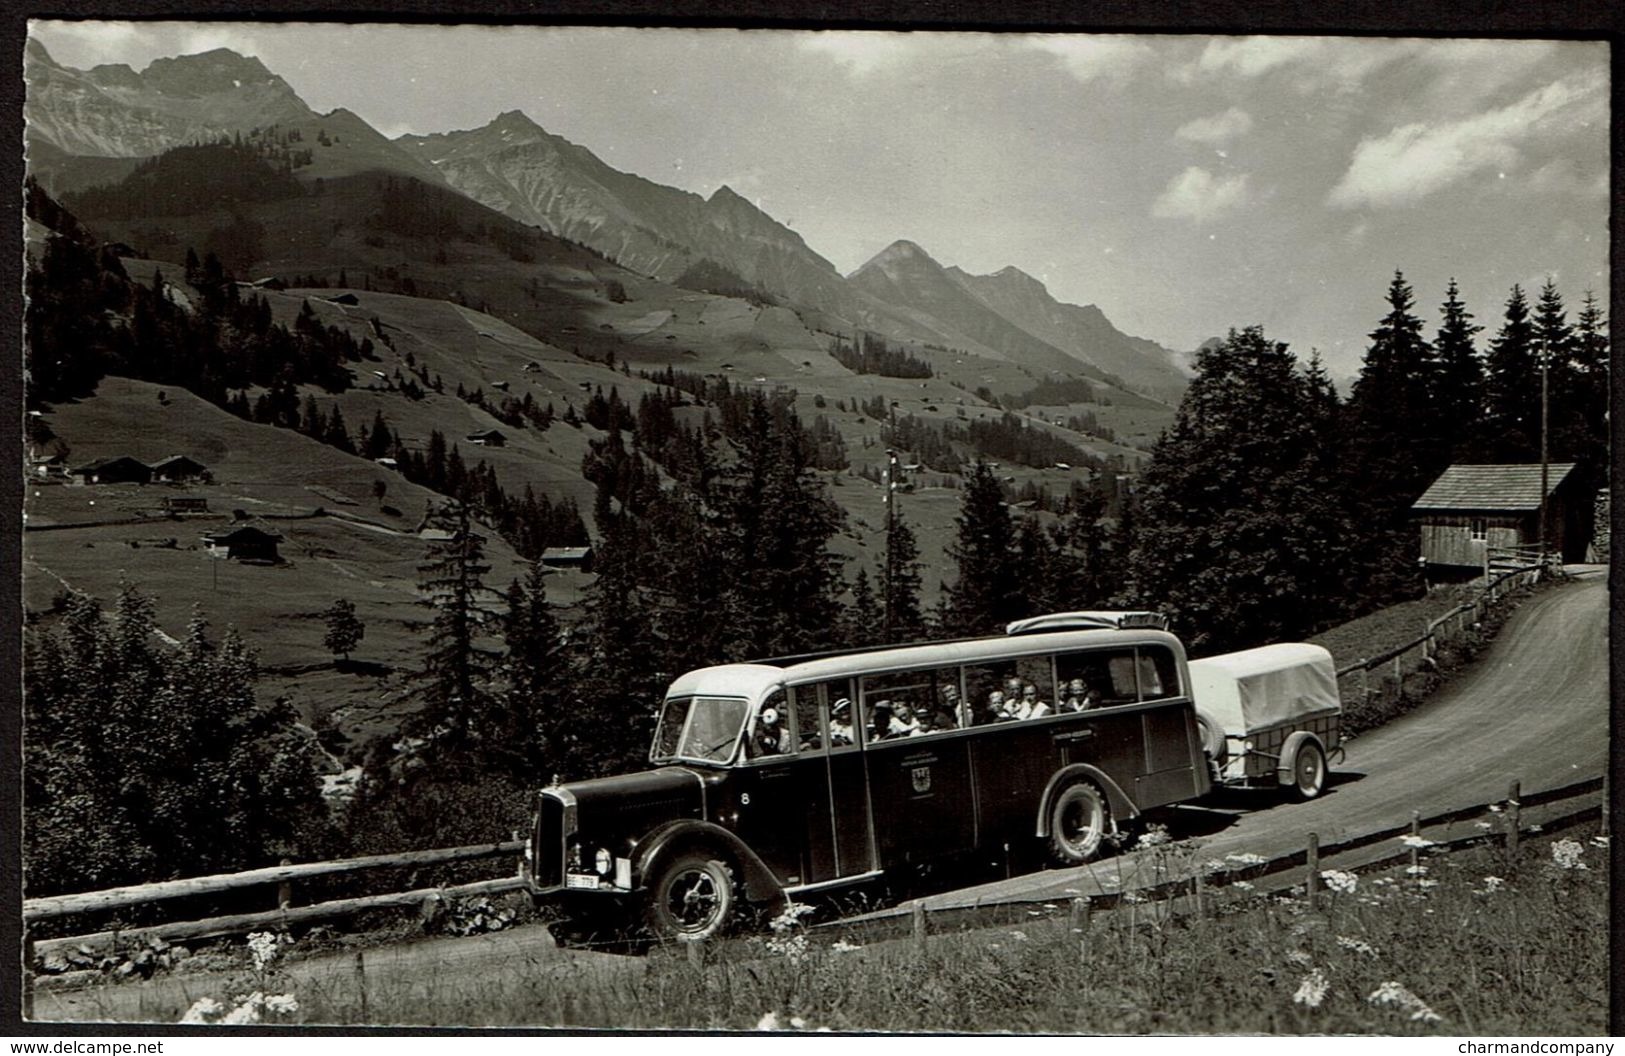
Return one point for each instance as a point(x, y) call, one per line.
point(1396, 663)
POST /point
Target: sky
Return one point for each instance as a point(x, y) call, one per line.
point(1185, 184)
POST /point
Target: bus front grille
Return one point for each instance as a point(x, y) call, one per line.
point(549, 839)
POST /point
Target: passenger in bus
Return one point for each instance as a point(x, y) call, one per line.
point(1012, 690)
point(903, 723)
point(1031, 706)
point(840, 723)
point(1004, 707)
point(880, 717)
point(948, 712)
point(771, 736)
point(1080, 696)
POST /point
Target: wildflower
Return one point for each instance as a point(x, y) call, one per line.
point(798, 1023)
point(1246, 859)
point(768, 1022)
point(1415, 842)
point(842, 946)
point(203, 1010)
point(1340, 882)
point(1416, 870)
point(1154, 836)
point(1395, 995)
point(247, 1010)
point(1034, 913)
point(1051, 905)
point(1566, 854)
point(792, 948)
point(1494, 809)
point(1213, 865)
point(262, 947)
point(1312, 990)
point(1357, 945)
point(1427, 883)
point(282, 1004)
point(1299, 957)
point(1019, 936)
point(1243, 885)
point(1493, 884)
point(791, 917)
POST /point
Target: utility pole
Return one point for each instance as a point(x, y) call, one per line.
point(1545, 367)
point(890, 480)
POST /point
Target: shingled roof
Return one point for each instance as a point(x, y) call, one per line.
point(1491, 489)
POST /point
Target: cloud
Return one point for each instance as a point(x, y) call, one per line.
point(1095, 57)
point(1217, 128)
point(1418, 159)
point(866, 52)
point(1312, 62)
point(1198, 195)
point(1563, 176)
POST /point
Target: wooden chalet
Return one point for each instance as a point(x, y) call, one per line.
point(245, 543)
point(488, 438)
point(578, 557)
point(179, 469)
point(120, 469)
point(1471, 511)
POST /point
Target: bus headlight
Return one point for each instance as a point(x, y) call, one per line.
point(604, 862)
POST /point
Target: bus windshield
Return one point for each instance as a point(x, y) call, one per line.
point(698, 729)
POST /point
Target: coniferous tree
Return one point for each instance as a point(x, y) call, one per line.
point(535, 670)
point(983, 598)
point(454, 667)
point(1590, 358)
point(863, 619)
point(902, 584)
point(1511, 424)
point(1391, 408)
point(1238, 516)
point(1459, 402)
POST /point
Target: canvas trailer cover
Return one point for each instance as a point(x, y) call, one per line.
point(1255, 690)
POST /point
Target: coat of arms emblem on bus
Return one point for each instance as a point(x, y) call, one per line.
point(922, 779)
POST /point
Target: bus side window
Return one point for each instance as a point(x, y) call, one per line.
point(770, 730)
point(1159, 674)
point(809, 727)
point(988, 692)
point(1124, 689)
point(839, 711)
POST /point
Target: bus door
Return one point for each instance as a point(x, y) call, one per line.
point(770, 787)
point(849, 811)
point(919, 768)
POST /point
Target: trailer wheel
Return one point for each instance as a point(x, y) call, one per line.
point(1077, 823)
point(692, 899)
point(1308, 771)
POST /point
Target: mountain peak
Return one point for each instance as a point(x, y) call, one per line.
point(219, 70)
point(900, 252)
point(514, 120)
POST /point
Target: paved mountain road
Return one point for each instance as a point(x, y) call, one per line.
point(1534, 707)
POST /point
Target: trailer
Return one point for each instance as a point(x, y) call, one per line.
point(1269, 717)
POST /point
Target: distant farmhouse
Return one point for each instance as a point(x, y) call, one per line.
point(120, 469)
point(1472, 510)
point(179, 469)
point(489, 438)
point(579, 557)
point(246, 543)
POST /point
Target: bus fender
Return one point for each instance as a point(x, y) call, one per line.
point(1289, 754)
point(1122, 807)
point(690, 833)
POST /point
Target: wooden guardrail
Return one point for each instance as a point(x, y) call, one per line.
point(57, 906)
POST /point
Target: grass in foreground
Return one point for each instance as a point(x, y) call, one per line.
point(1469, 945)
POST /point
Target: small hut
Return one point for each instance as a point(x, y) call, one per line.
point(1473, 510)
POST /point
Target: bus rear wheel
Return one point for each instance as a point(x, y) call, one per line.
point(1077, 823)
point(691, 900)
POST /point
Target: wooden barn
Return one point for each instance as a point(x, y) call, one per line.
point(1471, 510)
point(247, 543)
point(488, 438)
point(579, 557)
point(179, 469)
point(121, 469)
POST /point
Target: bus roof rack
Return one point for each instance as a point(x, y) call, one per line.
point(1103, 619)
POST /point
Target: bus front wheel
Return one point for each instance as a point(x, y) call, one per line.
point(692, 899)
point(1077, 823)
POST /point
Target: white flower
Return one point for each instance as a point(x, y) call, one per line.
point(1312, 990)
point(1535, 828)
point(798, 1023)
point(1566, 854)
point(791, 917)
point(262, 947)
point(1494, 809)
point(282, 1004)
point(247, 1010)
point(1154, 836)
point(1482, 825)
point(1019, 936)
point(1416, 870)
point(1340, 882)
point(1299, 957)
point(1414, 841)
point(1243, 885)
point(768, 1022)
point(203, 1010)
point(1493, 884)
point(1051, 905)
point(1394, 995)
point(1357, 945)
point(1034, 913)
point(1213, 865)
point(842, 946)
point(1427, 883)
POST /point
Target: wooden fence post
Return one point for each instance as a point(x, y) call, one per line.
point(919, 930)
point(284, 891)
point(1416, 853)
point(1365, 682)
point(1311, 885)
point(28, 975)
point(1603, 827)
point(1079, 922)
point(360, 972)
point(1513, 810)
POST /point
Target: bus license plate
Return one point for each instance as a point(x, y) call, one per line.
point(581, 880)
